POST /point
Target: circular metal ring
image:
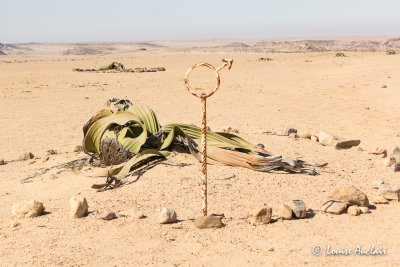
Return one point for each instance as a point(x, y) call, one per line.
point(187, 82)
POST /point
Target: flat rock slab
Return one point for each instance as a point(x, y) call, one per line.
point(345, 144)
point(334, 207)
point(204, 222)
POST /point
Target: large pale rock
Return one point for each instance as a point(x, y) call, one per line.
point(334, 207)
point(389, 191)
point(167, 216)
point(261, 216)
point(326, 138)
point(354, 211)
point(379, 200)
point(298, 207)
point(78, 207)
point(285, 212)
point(26, 156)
point(208, 222)
point(350, 195)
point(285, 131)
point(27, 209)
point(344, 144)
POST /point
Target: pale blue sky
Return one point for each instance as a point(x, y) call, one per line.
point(124, 20)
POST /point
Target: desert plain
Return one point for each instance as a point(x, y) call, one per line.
point(44, 105)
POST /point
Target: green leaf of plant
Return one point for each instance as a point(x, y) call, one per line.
point(148, 117)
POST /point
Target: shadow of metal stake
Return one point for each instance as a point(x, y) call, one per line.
point(203, 96)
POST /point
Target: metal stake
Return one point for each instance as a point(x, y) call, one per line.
point(227, 62)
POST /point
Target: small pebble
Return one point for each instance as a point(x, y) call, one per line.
point(364, 210)
point(354, 211)
point(167, 216)
point(107, 215)
point(2, 162)
point(208, 222)
point(14, 224)
point(26, 156)
point(77, 149)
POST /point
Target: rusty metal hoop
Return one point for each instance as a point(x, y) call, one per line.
point(208, 66)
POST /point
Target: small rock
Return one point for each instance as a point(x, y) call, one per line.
point(394, 168)
point(2, 162)
point(346, 144)
point(208, 222)
point(305, 135)
point(78, 207)
point(299, 208)
point(397, 159)
point(350, 195)
point(285, 212)
point(27, 209)
point(389, 191)
point(261, 216)
point(107, 215)
point(354, 211)
point(334, 207)
point(389, 161)
point(379, 151)
point(364, 210)
point(293, 135)
point(77, 149)
point(14, 224)
point(51, 152)
point(314, 138)
point(45, 159)
point(379, 200)
point(26, 156)
point(376, 184)
point(167, 216)
point(396, 150)
point(326, 138)
point(285, 131)
point(132, 213)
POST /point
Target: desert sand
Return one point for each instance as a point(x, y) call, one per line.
point(44, 105)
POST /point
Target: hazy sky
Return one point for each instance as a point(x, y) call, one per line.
point(124, 20)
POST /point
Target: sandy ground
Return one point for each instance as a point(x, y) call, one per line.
point(44, 105)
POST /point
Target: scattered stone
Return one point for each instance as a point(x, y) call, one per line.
point(389, 161)
point(388, 191)
point(305, 135)
point(2, 162)
point(230, 130)
point(365, 210)
point(326, 138)
point(27, 209)
point(293, 135)
point(78, 207)
point(354, 211)
point(314, 138)
point(334, 207)
point(379, 200)
point(394, 168)
point(14, 224)
point(346, 144)
point(45, 159)
point(299, 208)
point(350, 195)
point(377, 184)
point(77, 149)
point(285, 212)
point(261, 216)
point(397, 159)
point(208, 222)
point(26, 156)
point(52, 152)
point(379, 151)
point(285, 131)
point(167, 216)
point(107, 215)
point(136, 214)
point(396, 150)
